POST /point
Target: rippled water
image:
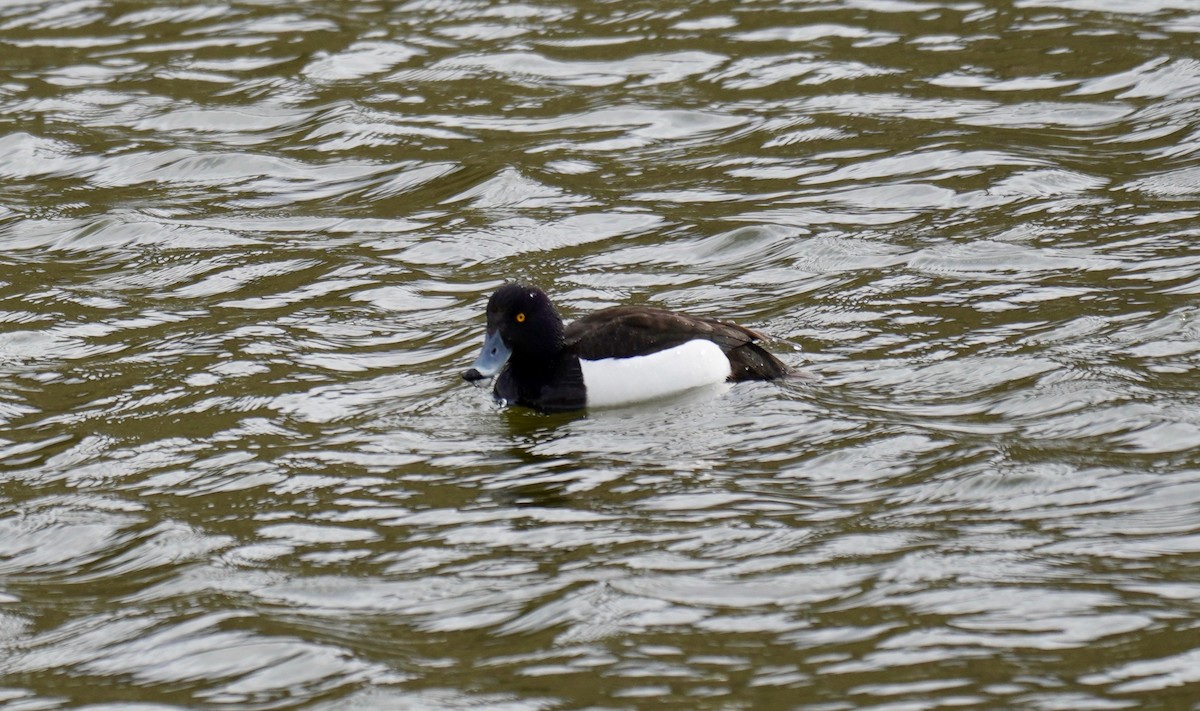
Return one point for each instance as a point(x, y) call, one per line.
point(244, 253)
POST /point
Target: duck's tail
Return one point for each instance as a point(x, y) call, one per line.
point(750, 361)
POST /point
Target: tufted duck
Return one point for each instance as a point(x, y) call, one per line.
point(615, 356)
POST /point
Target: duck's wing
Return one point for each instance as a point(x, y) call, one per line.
point(629, 331)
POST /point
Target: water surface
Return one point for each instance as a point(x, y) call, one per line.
point(244, 254)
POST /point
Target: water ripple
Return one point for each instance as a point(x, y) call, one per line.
point(246, 253)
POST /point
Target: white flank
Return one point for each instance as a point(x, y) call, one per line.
point(618, 381)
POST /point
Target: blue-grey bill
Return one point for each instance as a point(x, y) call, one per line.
point(495, 354)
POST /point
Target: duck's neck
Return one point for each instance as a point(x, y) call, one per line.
point(547, 383)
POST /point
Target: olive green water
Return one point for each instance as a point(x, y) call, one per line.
point(244, 254)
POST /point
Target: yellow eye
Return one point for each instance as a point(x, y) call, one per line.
point(520, 318)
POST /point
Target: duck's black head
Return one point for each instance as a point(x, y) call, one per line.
point(522, 325)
